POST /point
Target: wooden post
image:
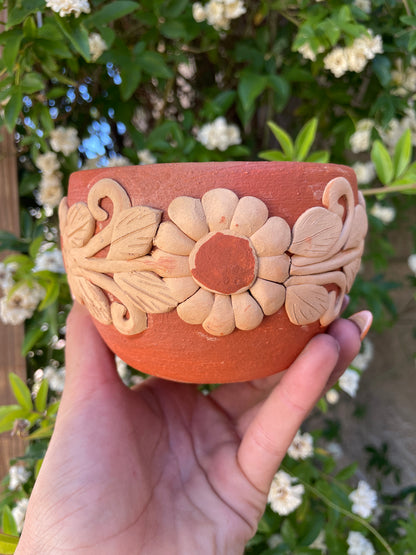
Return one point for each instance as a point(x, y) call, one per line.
point(11, 337)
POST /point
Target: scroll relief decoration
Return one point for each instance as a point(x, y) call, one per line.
point(220, 261)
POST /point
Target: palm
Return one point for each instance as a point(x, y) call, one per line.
point(164, 468)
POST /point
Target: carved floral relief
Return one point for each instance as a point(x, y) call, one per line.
point(221, 261)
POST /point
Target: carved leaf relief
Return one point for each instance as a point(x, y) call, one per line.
point(148, 291)
point(133, 232)
point(80, 225)
point(94, 299)
point(359, 228)
point(306, 303)
point(315, 232)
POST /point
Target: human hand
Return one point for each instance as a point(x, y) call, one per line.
point(162, 468)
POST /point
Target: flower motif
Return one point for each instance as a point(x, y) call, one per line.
point(228, 258)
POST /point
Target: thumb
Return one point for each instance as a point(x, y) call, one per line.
point(89, 363)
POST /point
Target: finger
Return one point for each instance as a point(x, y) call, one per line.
point(349, 334)
point(272, 430)
point(88, 361)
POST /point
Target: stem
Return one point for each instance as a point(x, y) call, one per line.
point(105, 266)
point(347, 513)
point(406, 7)
point(384, 190)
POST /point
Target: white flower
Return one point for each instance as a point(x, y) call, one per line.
point(284, 497)
point(20, 305)
point(349, 382)
point(411, 261)
point(370, 44)
point(219, 134)
point(146, 157)
point(218, 13)
point(365, 172)
point(384, 213)
point(198, 12)
point(18, 475)
point(234, 8)
point(97, 45)
point(48, 163)
point(360, 140)
point(356, 58)
point(335, 450)
point(274, 540)
point(363, 5)
point(364, 499)
point(6, 277)
point(319, 542)
point(122, 370)
point(363, 359)
point(332, 396)
point(359, 545)
point(19, 513)
point(66, 7)
point(55, 377)
point(336, 61)
point(117, 161)
point(50, 260)
point(50, 190)
point(301, 446)
point(307, 52)
point(65, 140)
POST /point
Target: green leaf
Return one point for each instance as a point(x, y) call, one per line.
point(130, 80)
point(42, 433)
point(51, 294)
point(13, 108)
point(111, 12)
point(347, 472)
point(8, 419)
point(8, 544)
point(32, 336)
point(288, 533)
point(19, 12)
point(42, 396)
point(11, 49)
point(273, 156)
point(284, 140)
point(402, 154)
point(32, 82)
point(382, 162)
point(305, 139)
point(320, 157)
point(250, 86)
point(21, 392)
point(9, 241)
point(154, 64)
point(8, 523)
point(282, 91)
point(77, 35)
point(174, 8)
point(174, 29)
point(382, 68)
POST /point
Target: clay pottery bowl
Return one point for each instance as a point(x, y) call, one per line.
point(212, 272)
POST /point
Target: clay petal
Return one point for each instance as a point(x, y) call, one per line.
point(170, 265)
point(221, 318)
point(147, 291)
point(306, 303)
point(133, 232)
point(250, 214)
point(80, 225)
point(272, 238)
point(219, 207)
point(181, 288)
point(274, 268)
point(197, 308)
point(247, 313)
point(187, 213)
point(359, 228)
point(315, 232)
point(269, 295)
point(171, 239)
point(135, 323)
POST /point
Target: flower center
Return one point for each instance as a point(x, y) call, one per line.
point(224, 262)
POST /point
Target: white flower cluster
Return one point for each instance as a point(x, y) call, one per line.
point(18, 475)
point(355, 57)
point(360, 141)
point(364, 500)
point(6, 277)
point(404, 78)
point(146, 157)
point(19, 305)
point(363, 359)
point(308, 53)
point(365, 172)
point(364, 5)
point(411, 261)
point(219, 134)
point(64, 139)
point(359, 545)
point(117, 161)
point(19, 512)
point(218, 13)
point(385, 214)
point(332, 396)
point(97, 45)
point(50, 260)
point(284, 497)
point(349, 382)
point(50, 189)
point(301, 447)
point(55, 377)
point(66, 7)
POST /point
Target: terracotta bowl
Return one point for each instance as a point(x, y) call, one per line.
point(212, 272)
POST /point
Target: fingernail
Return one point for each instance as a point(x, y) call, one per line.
point(345, 302)
point(363, 320)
